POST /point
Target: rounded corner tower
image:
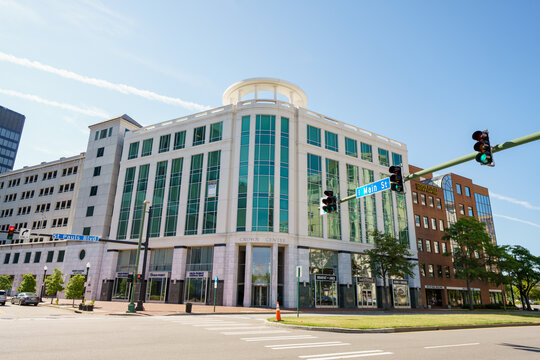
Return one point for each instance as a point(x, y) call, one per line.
point(237, 91)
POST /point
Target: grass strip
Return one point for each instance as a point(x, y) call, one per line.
point(409, 320)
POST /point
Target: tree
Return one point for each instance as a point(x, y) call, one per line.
point(524, 268)
point(75, 288)
point(388, 258)
point(474, 255)
point(54, 284)
point(28, 284)
point(5, 282)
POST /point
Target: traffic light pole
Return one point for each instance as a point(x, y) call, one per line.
point(503, 146)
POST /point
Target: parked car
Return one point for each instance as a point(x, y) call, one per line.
point(3, 297)
point(25, 299)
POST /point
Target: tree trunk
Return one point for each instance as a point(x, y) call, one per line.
point(512, 291)
point(471, 307)
point(386, 298)
point(52, 298)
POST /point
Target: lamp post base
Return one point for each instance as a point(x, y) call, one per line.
point(140, 306)
point(131, 308)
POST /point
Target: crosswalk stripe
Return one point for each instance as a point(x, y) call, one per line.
point(237, 328)
point(255, 332)
point(274, 338)
point(306, 346)
point(315, 343)
point(349, 356)
point(342, 353)
point(218, 324)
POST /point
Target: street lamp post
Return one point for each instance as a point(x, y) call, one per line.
point(140, 306)
point(85, 280)
point(43, 284)
point(131, 306)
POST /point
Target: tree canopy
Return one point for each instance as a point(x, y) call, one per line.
point(54, 283)
point(5, 282)
point(28, 284)
point(75, 287)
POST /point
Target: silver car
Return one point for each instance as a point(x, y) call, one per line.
point(25, 298)
point(3, 297)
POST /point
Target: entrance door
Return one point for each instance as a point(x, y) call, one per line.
point(157, 289)
point(434, 297)
point(365, 292)
point(326, 291)
point(121, 289)
point(196, 289)
point(259, 295)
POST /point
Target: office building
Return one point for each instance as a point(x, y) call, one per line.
point(11, 127)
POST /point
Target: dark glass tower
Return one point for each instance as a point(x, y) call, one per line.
point(11, 127)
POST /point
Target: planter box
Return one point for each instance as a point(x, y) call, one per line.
point(86, 307)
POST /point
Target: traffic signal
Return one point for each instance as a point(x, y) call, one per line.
point(130, 278)
point(11, 230)
point(396, 179)
point(329, 202)
point(484, 156)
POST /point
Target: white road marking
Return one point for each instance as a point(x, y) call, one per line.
point(307, 345)
point(237, 328)
point(273, 338)
point(255, 332)
point(445, 346)
point(342, 353)
point(357, 355)
point(216, 324)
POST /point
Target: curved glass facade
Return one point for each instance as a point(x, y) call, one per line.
point(448, 191)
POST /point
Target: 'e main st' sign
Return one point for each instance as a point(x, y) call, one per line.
point(373, 188)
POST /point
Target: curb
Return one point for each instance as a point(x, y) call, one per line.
point(397, 330)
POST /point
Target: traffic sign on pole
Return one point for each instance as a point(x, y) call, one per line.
point(373, 188)
point(75, 237)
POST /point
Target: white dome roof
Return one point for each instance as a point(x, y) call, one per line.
point(235, 92)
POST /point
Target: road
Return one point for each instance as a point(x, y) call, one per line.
point(48, 333)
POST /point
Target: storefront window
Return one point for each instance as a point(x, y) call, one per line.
point(161, 259)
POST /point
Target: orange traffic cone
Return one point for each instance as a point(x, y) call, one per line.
point(278, 313)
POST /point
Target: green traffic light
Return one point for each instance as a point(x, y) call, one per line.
point(483, 158)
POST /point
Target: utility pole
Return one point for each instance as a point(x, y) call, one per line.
point(142, 292)
point(131, 306)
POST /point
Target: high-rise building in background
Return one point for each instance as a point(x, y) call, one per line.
point(11, 127)
point(439, 202)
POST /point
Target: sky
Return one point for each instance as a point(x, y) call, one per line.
point(425, 73)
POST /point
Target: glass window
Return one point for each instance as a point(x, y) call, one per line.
point(423, 269)
point(314, 193)
point(428, 245)
point(384, 158)
point(441, 224)
point(164, 143)
point(212, 192)
point(103, 134)
point(125, 204)
point(415, 197)
point(447, 271)
point(243, 175)
point(215, 131)
point(351, 147)
point(100, 152)
point(420, 245)
point(179, 140)
point(444, 247)
point(433, 223)
point(461, 209)
point(138, 204)
point(97, 171)
point(417, 220)
point(284, 177)
point(194, 194)
point(97, 135)
point(332, 183)
point(436, 247)
point(90, 211)
point(86, 230)
point(175, 181)
point(458, 189)
point(37, 257)
point(199, 135)
point(355, 218)
point(470, 211)
point(467, 191)
point(133, 150)
point(423, 198)
point(27, 257)
point(93, 190)
point(50, 256)
point(158, 198)
point(367, 152)
point(431, 204)
point(60, 257)
point(331, 141)
point(438, 201)
point(16, 258)
point(370, 206)
point(6, 258)
point(439, 271)
point(397, 159)
point(426, 222)
point(147, 147)
point(313, 135)
point(430, 271)
point(161, 259)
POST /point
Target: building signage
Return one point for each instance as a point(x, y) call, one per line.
point(433, 287)
point(154, 274)
point(325, 277)
point(74, 272)
point(365, 280)
point(263, 240)
point(122, 275)
point(373, 188)
point(427, 188)
point(197, 274)
point(75, 237)
point(400, 282)
point(212, 188)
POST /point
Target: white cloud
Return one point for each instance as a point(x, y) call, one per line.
point(517, 220)
point(122, 88)
point(85, 111)
point(525, 204)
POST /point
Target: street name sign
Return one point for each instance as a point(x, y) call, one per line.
point(75, 237)
point(373, 188)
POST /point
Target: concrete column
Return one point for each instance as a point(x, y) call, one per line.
point(178, 270)
point(247, 276)
point(274, 275)
point(290, 286)
point(344, 268)
point(230, 275)
point(303, 261)
point(108, 267)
